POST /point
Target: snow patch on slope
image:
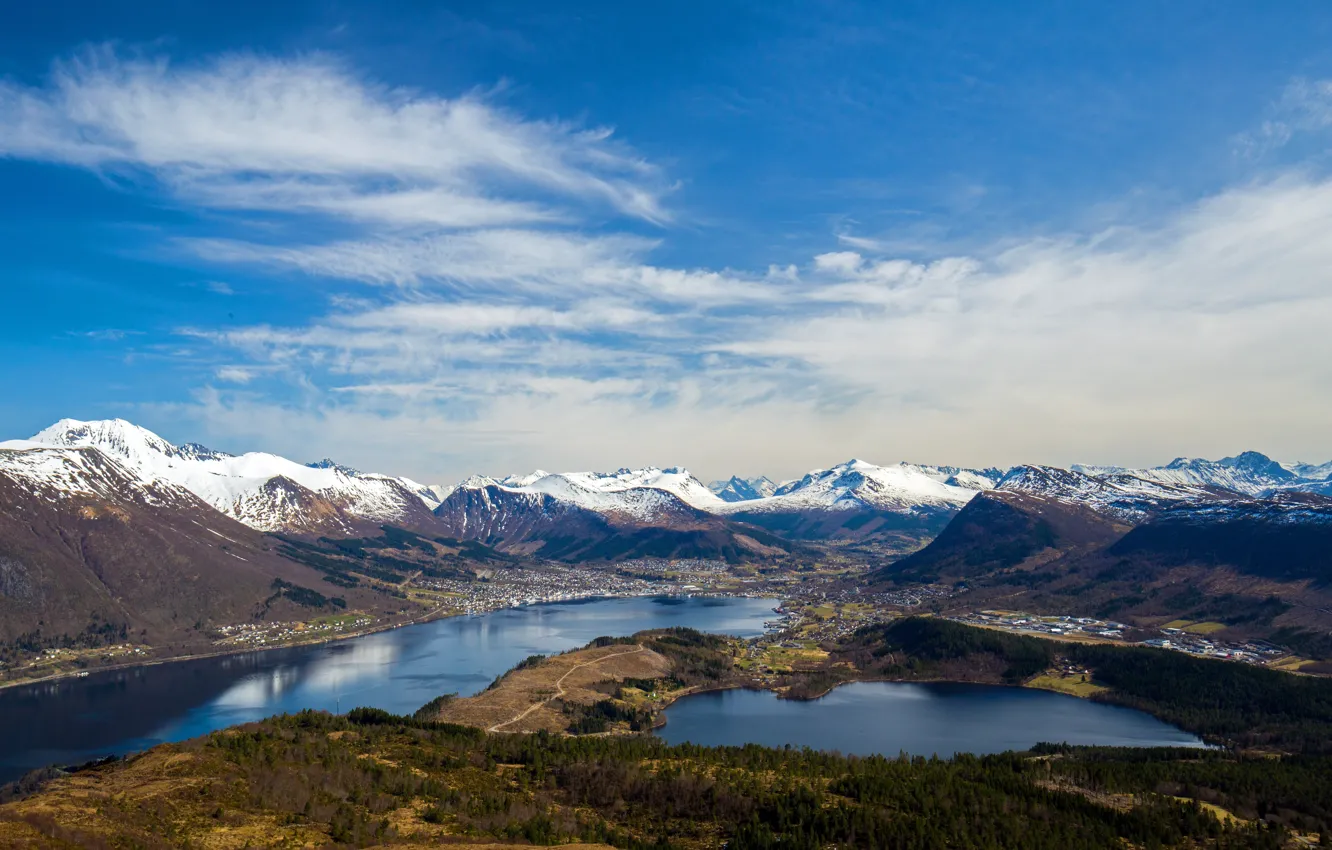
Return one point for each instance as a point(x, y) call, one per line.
point(1250, 473)
point(737, 489)
point(1116, 493)
point(55, 474)
point(641, 495)
point(856, 485)
point(241, 486)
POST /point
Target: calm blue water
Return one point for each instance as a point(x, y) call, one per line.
point(922, 719)
point(74, 720)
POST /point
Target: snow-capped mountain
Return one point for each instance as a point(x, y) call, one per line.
point(264, 491)
point(642, 495)
point(853, 499)
point(1310, 471)
point(849, 486)
point(58, 474)
point(737, 489)
point(1286, 508)
point(856, 484)
point(1116, 494)
point(599, 516)
point(1251, 473)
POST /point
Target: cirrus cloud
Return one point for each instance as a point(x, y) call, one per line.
point(494, 304)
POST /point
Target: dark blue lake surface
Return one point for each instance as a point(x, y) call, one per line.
point(922, 719)
point(73, 720)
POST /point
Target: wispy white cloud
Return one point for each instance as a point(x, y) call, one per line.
point(259, 132)
point(106, 334)
point(513, 258)
point(1201, 335)
point(235, 374)
point(494, 304)
point(1304, 107)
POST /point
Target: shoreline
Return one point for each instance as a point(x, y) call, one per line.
point(661, 720)
point(432, 617)
point(221, 653)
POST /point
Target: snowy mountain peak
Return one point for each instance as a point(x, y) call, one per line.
point(1035, 478)
point(477, 482)
point(737, 489)
point(1252, 473)
point(1258, 464)
point(1310, 471)
point(635, 493)
point(196, 451)
point(1117, 493)
point(123, 440)
point(858, 484)
point(328, 463)
point(262, 490)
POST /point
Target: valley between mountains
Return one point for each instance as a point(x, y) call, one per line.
point(119, 547)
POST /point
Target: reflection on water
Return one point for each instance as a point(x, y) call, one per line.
point(921, 719)
point(74, 720)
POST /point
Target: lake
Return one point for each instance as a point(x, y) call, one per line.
point(70, 721)
point(941, 718)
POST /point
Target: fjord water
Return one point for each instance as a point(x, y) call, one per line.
point(70, 721)
point(74, 720)
point(938, 718)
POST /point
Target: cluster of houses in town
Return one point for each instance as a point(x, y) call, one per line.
point(1178, 639)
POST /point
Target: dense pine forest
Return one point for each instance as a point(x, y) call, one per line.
point(371, 778)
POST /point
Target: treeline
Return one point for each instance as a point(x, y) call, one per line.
point(373, 778)
point(302, 596)
point(1223, 702)
point(921, 647)
point(696, 658)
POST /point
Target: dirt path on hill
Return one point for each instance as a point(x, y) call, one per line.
point(559, 686)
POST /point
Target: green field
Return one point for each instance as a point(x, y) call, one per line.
point(1077, 686)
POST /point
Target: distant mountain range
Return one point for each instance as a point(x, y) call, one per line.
point(106, 512)
point(1251, 473)
point(1154, 546)
point(855, 500)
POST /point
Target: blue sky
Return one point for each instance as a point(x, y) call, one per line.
point(436, 239)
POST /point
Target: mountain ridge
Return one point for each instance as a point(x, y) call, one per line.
point(1250, 472)
point(264, 491)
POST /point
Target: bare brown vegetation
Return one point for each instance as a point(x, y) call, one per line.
point(533, 698)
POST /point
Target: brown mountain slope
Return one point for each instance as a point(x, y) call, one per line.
point(540, 525)
point(105, 557)
point(1000, 530)
point(1257, 567)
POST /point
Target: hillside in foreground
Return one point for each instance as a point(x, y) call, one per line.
point(374, 780)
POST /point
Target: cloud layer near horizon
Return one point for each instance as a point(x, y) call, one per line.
point(493, 304)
